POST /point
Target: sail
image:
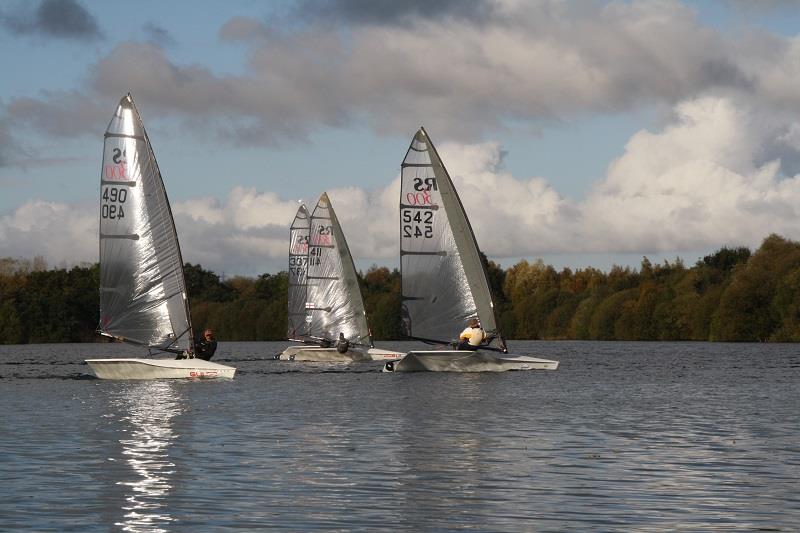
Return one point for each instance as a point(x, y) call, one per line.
point(299, 318)
point(444, 283)
point(142, 288)
point(334, 297)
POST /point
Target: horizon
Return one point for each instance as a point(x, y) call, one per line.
point(40, 263)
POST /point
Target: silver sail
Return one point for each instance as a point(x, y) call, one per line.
point(142, 287)
point(299, 317)
point(334, 297)
point(443, 280)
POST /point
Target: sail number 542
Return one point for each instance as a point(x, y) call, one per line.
point(417, 224)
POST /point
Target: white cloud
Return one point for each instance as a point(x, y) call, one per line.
point(702, 181)
point(61, 232)
point(465, 78)
point(507, 214)
point(369, 220)
point(247, 233)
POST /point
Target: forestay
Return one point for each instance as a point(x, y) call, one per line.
point(142, 287)
point(299, 318)
point(334, 297)
point(444, 283)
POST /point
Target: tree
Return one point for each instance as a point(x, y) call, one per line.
point(602, 325)
point(10, 324)
point(732, 294)
point(746, 311)
point(382, 301)
point(205, 285)
point(725, 259)
point(532, 290)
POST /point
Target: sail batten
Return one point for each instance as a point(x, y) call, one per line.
point(406, 252)
point(118, 183)
point(143, 300)
point(439, 256)
point(124, 136)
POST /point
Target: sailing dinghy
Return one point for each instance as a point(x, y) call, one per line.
point(444, 283)
point(324, 296)
point(143, 297)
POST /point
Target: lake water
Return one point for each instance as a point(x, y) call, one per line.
point(623, 437)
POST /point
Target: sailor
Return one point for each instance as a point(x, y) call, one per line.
point(205, 347)
point(342, 345)
point(472, 336)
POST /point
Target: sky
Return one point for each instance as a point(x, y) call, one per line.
point(586, 133)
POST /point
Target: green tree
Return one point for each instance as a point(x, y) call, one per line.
point(10, 324)
point(602, 324)
point(746, 311)
point(380, 288)
point(206, 285)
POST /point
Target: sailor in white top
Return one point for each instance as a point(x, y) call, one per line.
point(472, 336)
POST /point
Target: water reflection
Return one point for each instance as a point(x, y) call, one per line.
point(442, 456)
point(148, 408)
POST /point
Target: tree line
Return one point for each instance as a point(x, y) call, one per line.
point(731, 295)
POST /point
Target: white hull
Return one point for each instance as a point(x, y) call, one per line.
point(159, 369)
point(318, 354)
point(466, 361)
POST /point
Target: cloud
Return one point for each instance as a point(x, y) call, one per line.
point(63, 19)
point(508, 214)
point(701, 181)
point(61, 114)
point(7, 142)
point(746, 7)
point(390, 12)
point(249, 231)
point(464, 77)
point(243, 29)
point(62, 232)
point(158, 35)
point(369, 220)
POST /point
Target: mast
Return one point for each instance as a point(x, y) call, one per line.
point(298, 271)
point(490, 326)
point(143, 297)
point(178, 272)
point(444, 282)
point(334, 296)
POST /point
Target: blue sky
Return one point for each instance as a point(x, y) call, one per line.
point(582, 133)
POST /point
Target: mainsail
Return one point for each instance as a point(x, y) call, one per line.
point(299, 317)
point(142, 287)
point(334, 297)
point(444, 283)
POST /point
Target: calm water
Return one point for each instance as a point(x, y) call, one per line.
point(623, 437)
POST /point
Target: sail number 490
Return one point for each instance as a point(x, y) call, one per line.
point(417, 224)
point(113, 198)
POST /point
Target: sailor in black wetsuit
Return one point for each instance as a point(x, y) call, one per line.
point(342, 345)
point(205, 348)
